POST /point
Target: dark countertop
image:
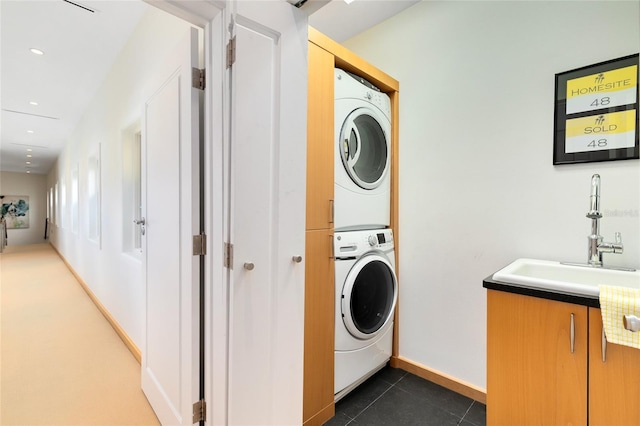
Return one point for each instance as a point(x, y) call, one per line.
point(491, 284)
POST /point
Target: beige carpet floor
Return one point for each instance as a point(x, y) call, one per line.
point(61, 362)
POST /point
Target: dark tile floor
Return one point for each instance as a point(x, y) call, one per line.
point(396, 398)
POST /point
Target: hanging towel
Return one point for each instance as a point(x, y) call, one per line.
point(615, 303)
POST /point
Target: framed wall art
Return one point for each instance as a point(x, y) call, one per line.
point(15, 211)
point(596, 113)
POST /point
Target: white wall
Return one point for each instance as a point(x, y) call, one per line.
point(33, 186)
point(113, 275)
point(477, 184)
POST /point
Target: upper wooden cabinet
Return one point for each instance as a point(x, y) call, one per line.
point(320, 149)
point(533, 376)
point(614, 379)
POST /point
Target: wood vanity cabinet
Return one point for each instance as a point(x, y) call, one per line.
point(614, 385)
point(533, 377)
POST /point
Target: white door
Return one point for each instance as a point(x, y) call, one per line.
point(171, 211)
point(267, 213)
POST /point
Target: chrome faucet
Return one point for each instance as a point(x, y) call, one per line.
point(596, 247)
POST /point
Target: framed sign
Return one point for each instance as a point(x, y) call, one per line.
point(596, 113)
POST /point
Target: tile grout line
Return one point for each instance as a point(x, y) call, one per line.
point(431, 403)
point(350, 419)
point(466, 412)
point(371, 403)
point(379, 396)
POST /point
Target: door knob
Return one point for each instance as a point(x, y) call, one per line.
point(249, 266)
point(297, 259)
point(140, 222)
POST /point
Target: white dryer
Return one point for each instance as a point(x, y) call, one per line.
point(362, 154)
point(366, 295)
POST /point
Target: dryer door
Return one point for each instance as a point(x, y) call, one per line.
point(365, 147)
point(369, 296)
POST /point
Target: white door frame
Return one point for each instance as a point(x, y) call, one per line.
point(212, 16)
point(209, 15)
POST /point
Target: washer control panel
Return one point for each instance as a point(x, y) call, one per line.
point(349, 244)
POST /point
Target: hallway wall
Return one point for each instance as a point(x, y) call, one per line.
point(105, 263)
point(35, 187)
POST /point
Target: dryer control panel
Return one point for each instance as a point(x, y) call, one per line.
point(350, 244)
point(348, 85)
point(378, 99)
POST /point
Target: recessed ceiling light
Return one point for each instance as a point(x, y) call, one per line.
point(29, 155)
point(30, 131)
point(33, 103)
point(36, 51)
point(28, 171)
point(29, 149)
point(28, 162)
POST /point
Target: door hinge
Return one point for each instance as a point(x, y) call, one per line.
point(231, 52)
point(199, 411)
point(197, 78)
point(228, 255)
point(200, 244)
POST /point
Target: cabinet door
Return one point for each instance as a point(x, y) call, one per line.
point(266, 202)
point(533, 378)
point(614, 384)
point(319, 328)
point(320, 144)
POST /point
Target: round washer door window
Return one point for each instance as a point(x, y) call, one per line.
point(369, 296)
point(364, 148)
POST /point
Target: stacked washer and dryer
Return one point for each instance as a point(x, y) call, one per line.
point(365, 279)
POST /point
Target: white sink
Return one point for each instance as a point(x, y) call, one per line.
point(550, 275)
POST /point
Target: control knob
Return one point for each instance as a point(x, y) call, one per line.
point(373, 240)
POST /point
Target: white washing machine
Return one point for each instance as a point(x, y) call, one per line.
point(366, 295)
point(362, 154)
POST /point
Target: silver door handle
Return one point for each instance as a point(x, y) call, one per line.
point(573, 334)
point(249, 266)
point(333, 249)
point(331, 211)
point(297, 259)
point(631, 323)
point(142, 222)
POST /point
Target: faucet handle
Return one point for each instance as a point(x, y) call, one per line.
point(617, 246)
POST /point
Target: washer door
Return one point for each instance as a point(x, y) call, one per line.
point(364, 148)
point(369, 296)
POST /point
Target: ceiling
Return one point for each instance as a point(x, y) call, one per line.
point(341, 21)
point(79, 48)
